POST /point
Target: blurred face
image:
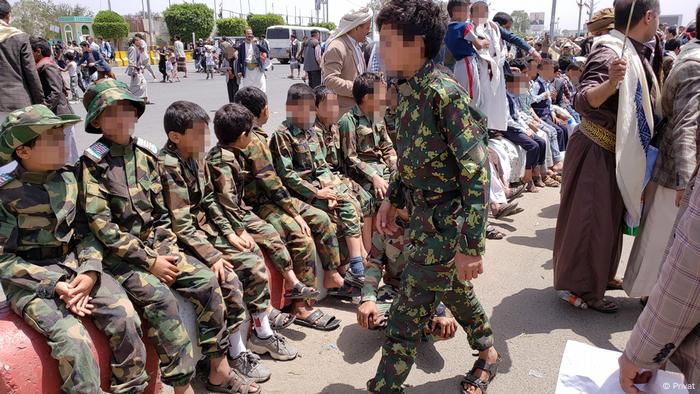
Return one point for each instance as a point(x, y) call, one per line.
point(49, 152)
point(360, 33)
point(118, 122)
point(302, 113)
point(249, 35)
point(532, 69)
point(460, 13)
point(264, 116)
point(403, 58)
point(547, 72)
point(392, 97)
point(480, 13)
point(329, 109)
point(373, 105)
point(194, 142)
point(574, 75)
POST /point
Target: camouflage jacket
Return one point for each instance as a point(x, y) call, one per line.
point(299, 161)
point(331, 146)
point(261, 183)
point(39, 214)
point(390, 123)
point(123, 198)
point(364, 142)
point(442, 147)
point(227, 179)
point(195, 213)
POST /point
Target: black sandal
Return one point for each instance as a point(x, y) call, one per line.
point(472, 379)
point(319, 321)
point(279, 319)
point(301, 292)
point(492, 233)
point(235, 384)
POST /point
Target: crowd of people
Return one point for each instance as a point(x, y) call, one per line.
point(391, 162)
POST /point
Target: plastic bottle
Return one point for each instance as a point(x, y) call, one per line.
point(572, 299)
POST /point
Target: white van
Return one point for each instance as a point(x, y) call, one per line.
point(278, 37)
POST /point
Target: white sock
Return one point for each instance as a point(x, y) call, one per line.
point(236, 345)
point(262, 325)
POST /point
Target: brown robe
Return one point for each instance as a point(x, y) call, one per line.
point(588, 238)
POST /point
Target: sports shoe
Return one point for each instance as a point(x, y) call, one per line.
point(276, 345)
point(249, 365)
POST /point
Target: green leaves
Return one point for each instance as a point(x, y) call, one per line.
point(35, 17)
point(260, 23)
point(184, 19)
point(327, 25)
point(110, 25)
point(228, 27)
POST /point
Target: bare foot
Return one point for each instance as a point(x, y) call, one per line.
point(332, 279)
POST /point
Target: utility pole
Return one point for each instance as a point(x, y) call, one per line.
point(150, 22)
point(580, 11)
point(553, 19)
point(266, 6)
point(109, 4)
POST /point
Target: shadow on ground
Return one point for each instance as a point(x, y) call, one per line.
point(445, 386)
point(543, 239)
point(513, 317)
point(549, 212)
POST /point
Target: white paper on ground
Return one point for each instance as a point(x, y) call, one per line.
point(591, 370)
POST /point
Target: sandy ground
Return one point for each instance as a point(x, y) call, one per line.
point(530, 323)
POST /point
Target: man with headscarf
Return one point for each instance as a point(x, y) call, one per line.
point(343, 60)
point(602, 22)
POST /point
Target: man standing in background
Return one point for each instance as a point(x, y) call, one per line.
point(312, 59)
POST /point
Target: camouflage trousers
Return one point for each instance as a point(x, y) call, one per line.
point(387, 251)
point(367, 186)
point(71, 345)
point(428, 279)
point(303, 248)
point(198, 284)
point(347, 215)
point(250, 271)
point(231, 287)
point(363, 197)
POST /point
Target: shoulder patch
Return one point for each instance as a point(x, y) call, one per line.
point(5, 179)
point(96, 152)
point(171, 161)
point(147, 145)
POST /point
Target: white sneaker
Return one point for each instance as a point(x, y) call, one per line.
point(276, 345)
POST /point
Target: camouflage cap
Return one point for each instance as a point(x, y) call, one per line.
point(103, 94)
point(23, 125)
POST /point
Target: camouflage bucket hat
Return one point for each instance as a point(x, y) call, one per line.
point(102, 95)
point(23, 125)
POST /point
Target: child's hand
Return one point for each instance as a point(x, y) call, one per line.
point(332, 204)
point(165, 269)
point(302, 223)
point(237, 242)
point(82, 286)
point(248, 239)
point(327, 193)
point(220, 268)
point(380, 186)
point(444, 327)
point(366, 313)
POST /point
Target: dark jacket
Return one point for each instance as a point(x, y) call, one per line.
point(54, 88)
point(240, 62)
point(18, 77)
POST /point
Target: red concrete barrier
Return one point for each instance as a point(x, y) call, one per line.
point(26, 365)
point(276, 283)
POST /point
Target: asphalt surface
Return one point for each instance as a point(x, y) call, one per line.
point(531, 325)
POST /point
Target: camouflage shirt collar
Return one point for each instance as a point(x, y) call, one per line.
point(357, 113)
point(318, 124)
point(295, 130)
point(38, 178)
point(418, 81)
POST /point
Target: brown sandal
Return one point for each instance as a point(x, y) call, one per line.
point(235, 384)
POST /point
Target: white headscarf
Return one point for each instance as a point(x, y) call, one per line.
point(350, 21)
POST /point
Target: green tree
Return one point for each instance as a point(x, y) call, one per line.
point(184, 19)
point(110, 25)
point(228, 27)
point(35, 17)
point(326, 25)
point(521, 22)
point(260, 23)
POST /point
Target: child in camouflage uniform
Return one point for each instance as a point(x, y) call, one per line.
point(50, 264)
point(442, 178)
point(326, 128)
point(300, 163)
point(202, 229)
point(368, 152)
point(121, 192)
point(305, 230)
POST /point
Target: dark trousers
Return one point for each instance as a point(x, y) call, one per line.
point(314, 78)
point(232, 87)
point(562, 132)
point(535, 147)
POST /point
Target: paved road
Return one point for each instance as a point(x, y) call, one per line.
point(531, 325)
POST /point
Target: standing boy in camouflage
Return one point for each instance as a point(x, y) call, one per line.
point(443, 180)
point(299, 161)
point(121, 192)
point(326, 128)
point(50, 263)
point(202, 229)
